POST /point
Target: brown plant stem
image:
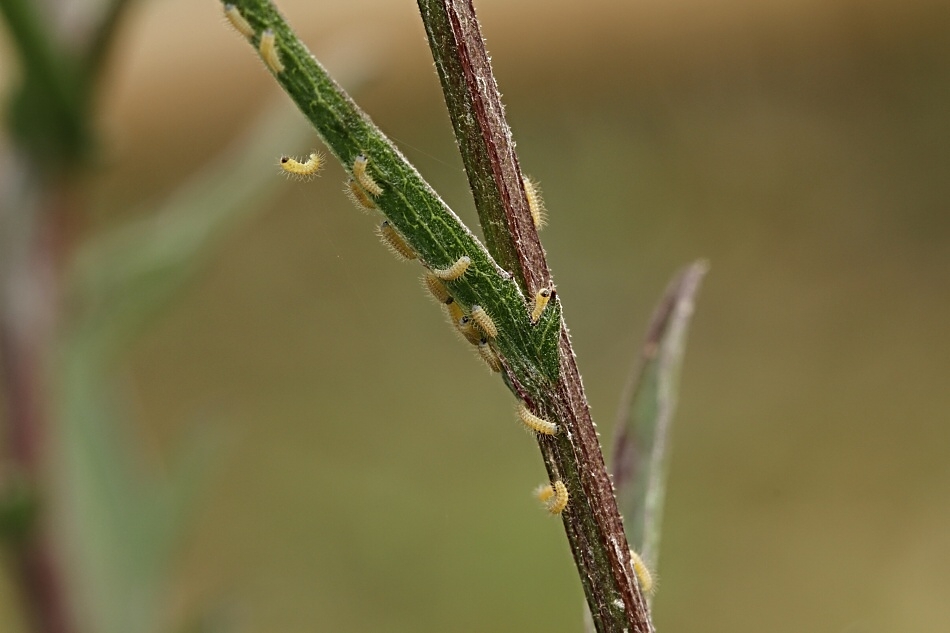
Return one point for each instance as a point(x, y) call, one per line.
point(593, 523)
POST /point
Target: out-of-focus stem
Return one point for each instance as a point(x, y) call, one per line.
point(29, 309)
point(100, 42)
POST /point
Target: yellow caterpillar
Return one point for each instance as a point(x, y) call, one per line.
point(362, 176)
point(553, 496)
point(238, 21)
point(484, 322)
point(535, 424)
point(454, 271)
point(540, 303)
point(466, 327)
point(395, 242)
point(644, 576)
point(357, 196)
point(489, 356)
point(302, 170)
point(269, 53)
point(535, 203)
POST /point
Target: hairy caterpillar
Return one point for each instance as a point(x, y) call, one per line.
point(489, 356)
point(535, 203)
point(540, 303)
point(395, 242)
point(455, 312)
point(535, 424)
point(544, 493)
point(553, 496)
point(454, 271)
point(238, 21)
point(302, 170)
point(436, 288)
point(366, 181)
point(269, 53)
point(484, 322)
point(466, 327)
point(357, 196)
point(644, 576)
point(559, 503)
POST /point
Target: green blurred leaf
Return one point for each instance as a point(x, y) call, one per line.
point(18, 505)
point(123, 279)
point(120, 520)
point(642, 439)
point(48, 109)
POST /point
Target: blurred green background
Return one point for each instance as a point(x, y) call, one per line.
point(370, 474)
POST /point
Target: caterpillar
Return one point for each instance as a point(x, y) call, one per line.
point(363, 178)
point(357, 196)
point(455, 312)
point(554, 497)
point(436, 288)
point(269, 53)
point(305, 170)
point(540, 303)
point(533, 423)
point(454, 271)
point(535, 203)
point(238, 21)
point(484, 322)
point(395, 242)
point(559, 503)
point(466, 327)
point(489, 356)
point(544, 493)
point(644, 576)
